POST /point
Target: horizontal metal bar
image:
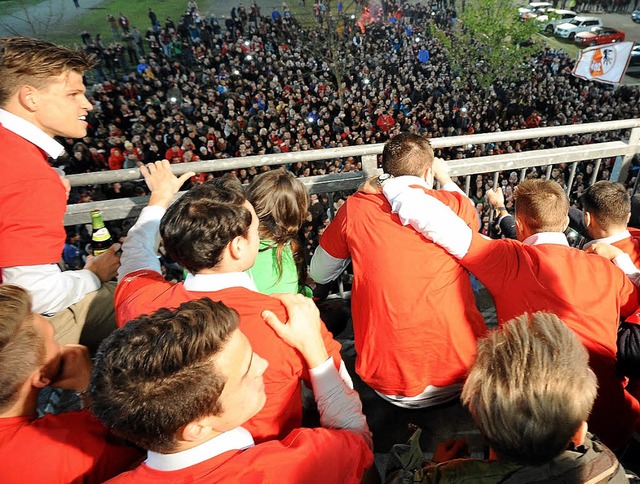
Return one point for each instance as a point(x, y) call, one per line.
point(119, 209)
point(515, 161)
point(104, 177)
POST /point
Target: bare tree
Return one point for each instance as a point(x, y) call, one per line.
point(31, 20)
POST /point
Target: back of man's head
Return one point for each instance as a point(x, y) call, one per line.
point(21, 346)
point(198, 227)
point(157, 373)
point(34, 62)
point(530, 388)
point(542, 205)
point(407, 154)
point(608, 202)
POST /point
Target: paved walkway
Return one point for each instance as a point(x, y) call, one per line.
point(37, 19)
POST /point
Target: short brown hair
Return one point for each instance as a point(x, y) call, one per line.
point(530, 388)
point(156, 374)
point(608, 202)
point(407, 154)
point(21, 346)
point(281, 202)
point(197, 228)
point(34, 62)
point(542, 205)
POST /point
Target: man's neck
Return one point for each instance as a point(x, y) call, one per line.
point(24, 406)
point(600, 233)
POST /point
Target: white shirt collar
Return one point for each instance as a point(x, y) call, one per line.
point(31, 133)
point(416, 180)
point(557, 238)
point(217, 282)
point(236, 439)
point(611, 239)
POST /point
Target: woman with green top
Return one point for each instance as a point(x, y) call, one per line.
point(281, 203)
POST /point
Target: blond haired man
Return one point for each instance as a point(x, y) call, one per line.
point(540, 272)
point(42, 95)
point(69, 447)
point(530, 391)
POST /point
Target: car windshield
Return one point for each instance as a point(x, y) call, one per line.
point(574, 22)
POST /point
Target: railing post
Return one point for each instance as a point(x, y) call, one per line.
point(622, 165)
point(370, 165)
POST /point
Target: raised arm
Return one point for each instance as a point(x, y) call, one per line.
point(140, 249)
point(429, 216)
point(339, 405)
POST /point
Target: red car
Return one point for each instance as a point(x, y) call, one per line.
point(598, 36)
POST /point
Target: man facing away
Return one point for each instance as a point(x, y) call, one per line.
point(183, 383)
point(41, 96)
point(212, 231)
point(607, 210)
point(530, 391)
point(68, 447)
point(540, 272)
point(414, 313)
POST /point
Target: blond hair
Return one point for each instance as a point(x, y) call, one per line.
point(25, 61)
point(542, 205)
point(530, 388)
point(21, 346)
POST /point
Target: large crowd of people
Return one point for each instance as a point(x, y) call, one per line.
point(203, 374)
point(201, 88)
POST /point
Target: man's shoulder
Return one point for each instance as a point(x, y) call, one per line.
point(247, 302)
point(64, 427)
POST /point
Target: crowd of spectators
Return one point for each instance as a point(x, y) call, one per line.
point(205, 88)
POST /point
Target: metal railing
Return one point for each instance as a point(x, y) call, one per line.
point(623, 149)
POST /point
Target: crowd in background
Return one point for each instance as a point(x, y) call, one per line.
point(204, 88)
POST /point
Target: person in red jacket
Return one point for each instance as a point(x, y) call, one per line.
point(212, 231)
point(385, 122)
point(116, 159)
point(400, 307)
point(182, 384)
point(607, 210)
point(174, 154)
point(540, 272)
point(67, 447)
point(42, 96)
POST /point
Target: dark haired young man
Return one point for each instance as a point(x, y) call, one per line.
point(183, 383)
point(212, 231)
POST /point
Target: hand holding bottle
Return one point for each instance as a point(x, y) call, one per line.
point(105, 265)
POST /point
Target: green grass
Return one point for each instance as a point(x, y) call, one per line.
point(94, 20)
point(569, 47)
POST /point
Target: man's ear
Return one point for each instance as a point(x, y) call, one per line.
point(236, 247)
point(196, 431)
point(566, 225)
point(28, 97)
point(39, 379)
point(588, 219)
point(628, 218)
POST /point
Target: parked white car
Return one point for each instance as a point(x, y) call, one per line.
point(554, 17)
point(578, 24)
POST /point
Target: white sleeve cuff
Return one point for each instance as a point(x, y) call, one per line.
point(623, 261)
point(324, 377)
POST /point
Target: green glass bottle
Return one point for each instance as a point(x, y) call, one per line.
point(100, 237)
